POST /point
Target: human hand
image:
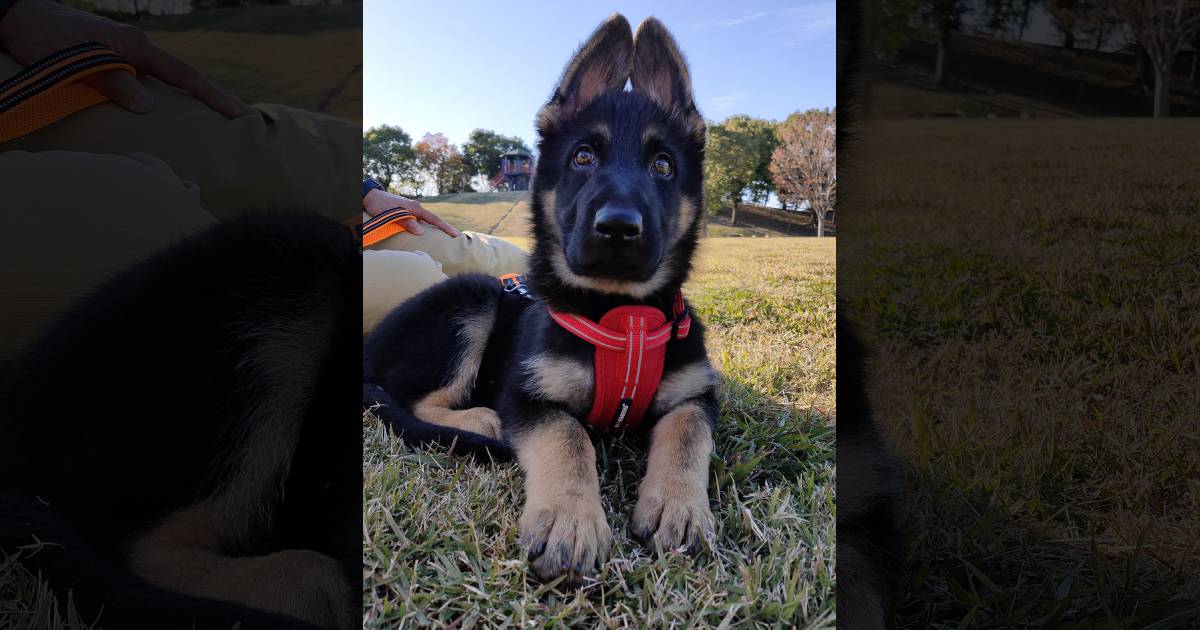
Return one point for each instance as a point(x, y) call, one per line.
point(33, 29)
point(379, 201)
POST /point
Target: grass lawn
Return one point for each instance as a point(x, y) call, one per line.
point(1037, 349)
point(507, 214)
point(500, 213)
point(439, 532)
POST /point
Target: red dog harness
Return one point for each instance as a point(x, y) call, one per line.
point(631, 347)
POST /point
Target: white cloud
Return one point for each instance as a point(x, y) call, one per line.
point(798, 24)
point(734, 21)
point(801, 24)
point(741, 20)
point(723, 104)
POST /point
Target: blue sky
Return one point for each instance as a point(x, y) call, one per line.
point(450, 66)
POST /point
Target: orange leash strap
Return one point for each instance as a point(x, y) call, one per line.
point(51, 89)
point(387, 223)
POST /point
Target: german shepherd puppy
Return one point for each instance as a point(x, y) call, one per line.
point(175, 444)
point(616, 207)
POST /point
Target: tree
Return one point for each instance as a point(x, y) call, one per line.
point(890, 24)
point(1008, 16)
point(894, 23)
point(455, 175)
point(388, 155)
point(484, 147)
point(1161, 27)
point(804, 164)
point(738, 161)
point(442, 163)
point(944, 16)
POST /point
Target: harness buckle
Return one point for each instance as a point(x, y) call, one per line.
point(515, 282)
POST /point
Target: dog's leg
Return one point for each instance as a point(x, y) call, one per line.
point(184, 554)
point(437, 408)
point(672, 508)
point(441, 407)
point(563, 529)
point(200, 549)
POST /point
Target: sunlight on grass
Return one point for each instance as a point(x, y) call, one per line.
point(440, 532)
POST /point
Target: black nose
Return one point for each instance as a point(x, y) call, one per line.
point(618, 223)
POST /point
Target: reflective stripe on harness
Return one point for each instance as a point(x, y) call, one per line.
point(631, 348)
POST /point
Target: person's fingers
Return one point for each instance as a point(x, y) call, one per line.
point(124, 89)
point(437, 221)
point(167, 68)
point(413, 225)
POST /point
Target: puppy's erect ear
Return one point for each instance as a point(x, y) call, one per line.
point(659, 70)
point(602, 64)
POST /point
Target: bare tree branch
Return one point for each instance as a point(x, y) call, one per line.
point(804, 165)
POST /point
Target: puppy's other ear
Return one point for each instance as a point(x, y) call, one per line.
point(659, 70)
point(602, 64)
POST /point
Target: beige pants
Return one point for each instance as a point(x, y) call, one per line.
point(403, 265)
point(95, 192)
point(272, 158)
point(73, 219)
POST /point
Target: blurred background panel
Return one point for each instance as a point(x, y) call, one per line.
point(304, 54)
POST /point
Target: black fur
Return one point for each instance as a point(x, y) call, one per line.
point(132, 406)
point(870, 489)
point(870, 479)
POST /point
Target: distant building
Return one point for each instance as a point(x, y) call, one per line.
point(516, 171)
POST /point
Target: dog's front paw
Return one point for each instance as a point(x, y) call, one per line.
point(565, 537)
point(669, 516)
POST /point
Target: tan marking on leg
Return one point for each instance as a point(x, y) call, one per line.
point(473, 332)
point(443, 406)
point(437, 408)
point(563, 529)
point(186, 552)
point(684, 384)
point(183, 554)
point(672, 508)
point(559, 379)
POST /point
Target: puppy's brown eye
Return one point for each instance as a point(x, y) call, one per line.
point(584, 157)
point(662, 165)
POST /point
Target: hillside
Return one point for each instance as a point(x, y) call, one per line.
point(507, 214)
